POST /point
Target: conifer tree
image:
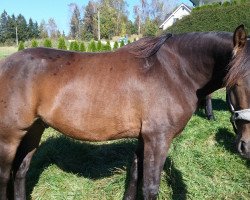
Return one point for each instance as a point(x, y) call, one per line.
point(82, 47)
point(76, 46)
point(21, 46)
point(71, 46)
point(122, 43)
point(61, 43)
point(92, 46)
point(116, 45)
point(34, 43)
point(99, 46)
point(47, 43)
point(108, 46)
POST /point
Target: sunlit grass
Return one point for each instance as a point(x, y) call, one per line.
point(203, 164)
point(6, 51)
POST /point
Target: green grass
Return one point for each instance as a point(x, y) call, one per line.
point(202, 164)
point(6, 51)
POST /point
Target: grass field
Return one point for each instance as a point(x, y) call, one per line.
point(202, 164)
point(5, 51)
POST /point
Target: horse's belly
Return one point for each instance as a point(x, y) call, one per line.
point(97, 129)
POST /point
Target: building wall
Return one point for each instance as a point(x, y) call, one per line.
point(178, 15)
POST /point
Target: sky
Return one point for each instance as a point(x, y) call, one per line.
point(57, 9)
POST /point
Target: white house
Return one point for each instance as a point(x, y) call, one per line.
point(177, 14)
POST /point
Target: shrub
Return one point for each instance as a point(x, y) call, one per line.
point(62, 44)
point(92, 46)
point(34, 43)
point(116, 45)
point(76, 46)
point(108, 46)
point(71, 46)
point(122, 43)
point(82, 47)
point(223, 18)
point(21, 46)
point(99, 46)
point(47, 43)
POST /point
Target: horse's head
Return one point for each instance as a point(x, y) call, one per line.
point(238, 90)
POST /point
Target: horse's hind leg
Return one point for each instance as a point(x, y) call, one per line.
point(135, 173)
point(23, 157)
point(9, 141)
point(209, 107)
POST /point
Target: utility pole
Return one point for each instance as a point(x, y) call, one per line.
point(16, 37)
point(99, 32)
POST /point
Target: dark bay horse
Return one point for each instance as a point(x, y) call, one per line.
point(238, 90)
point(146, 90)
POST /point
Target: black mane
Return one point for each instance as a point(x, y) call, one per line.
point(147, 46)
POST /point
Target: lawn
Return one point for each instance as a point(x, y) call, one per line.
point(5, 51)
point(202, 164)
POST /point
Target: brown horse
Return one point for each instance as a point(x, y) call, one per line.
point(238, 90)
point(146, 90)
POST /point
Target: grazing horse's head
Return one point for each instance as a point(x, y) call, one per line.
point(238, 90)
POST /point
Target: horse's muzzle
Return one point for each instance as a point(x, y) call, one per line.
point(244, 149)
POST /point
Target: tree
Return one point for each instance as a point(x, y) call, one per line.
point(62, 44)
point(75, 21)
point(52, 28)
point(92, 46)
point(34, 43)
point(121, 15)
point(82, 47)
point(107, 46)
point(99, 45)
point(116, 45)
point(11, 28)
point(10, 24)
point(3, 26)
point(76, 46)
point(32, 29)
point(107, 21)
point(47, 43)
point(89, 21)
point(151, 27)
point(43, 30)
point(113, 18)
point(141, 12)
point(157, 11)
point(122, 43)
point(21, 46)
point(22, 27)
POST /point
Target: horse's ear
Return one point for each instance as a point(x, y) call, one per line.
point(239, 38)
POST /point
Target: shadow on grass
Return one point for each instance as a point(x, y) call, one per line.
point(91, 160)
point(175, 181)
point(227, 139)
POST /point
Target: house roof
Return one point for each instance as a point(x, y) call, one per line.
point(195, 2)
point(188, 8)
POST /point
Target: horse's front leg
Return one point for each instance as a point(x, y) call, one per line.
point(156, 146)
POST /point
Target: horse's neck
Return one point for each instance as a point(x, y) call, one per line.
point(205, 62)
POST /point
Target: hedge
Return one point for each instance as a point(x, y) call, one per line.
point(225, 17)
